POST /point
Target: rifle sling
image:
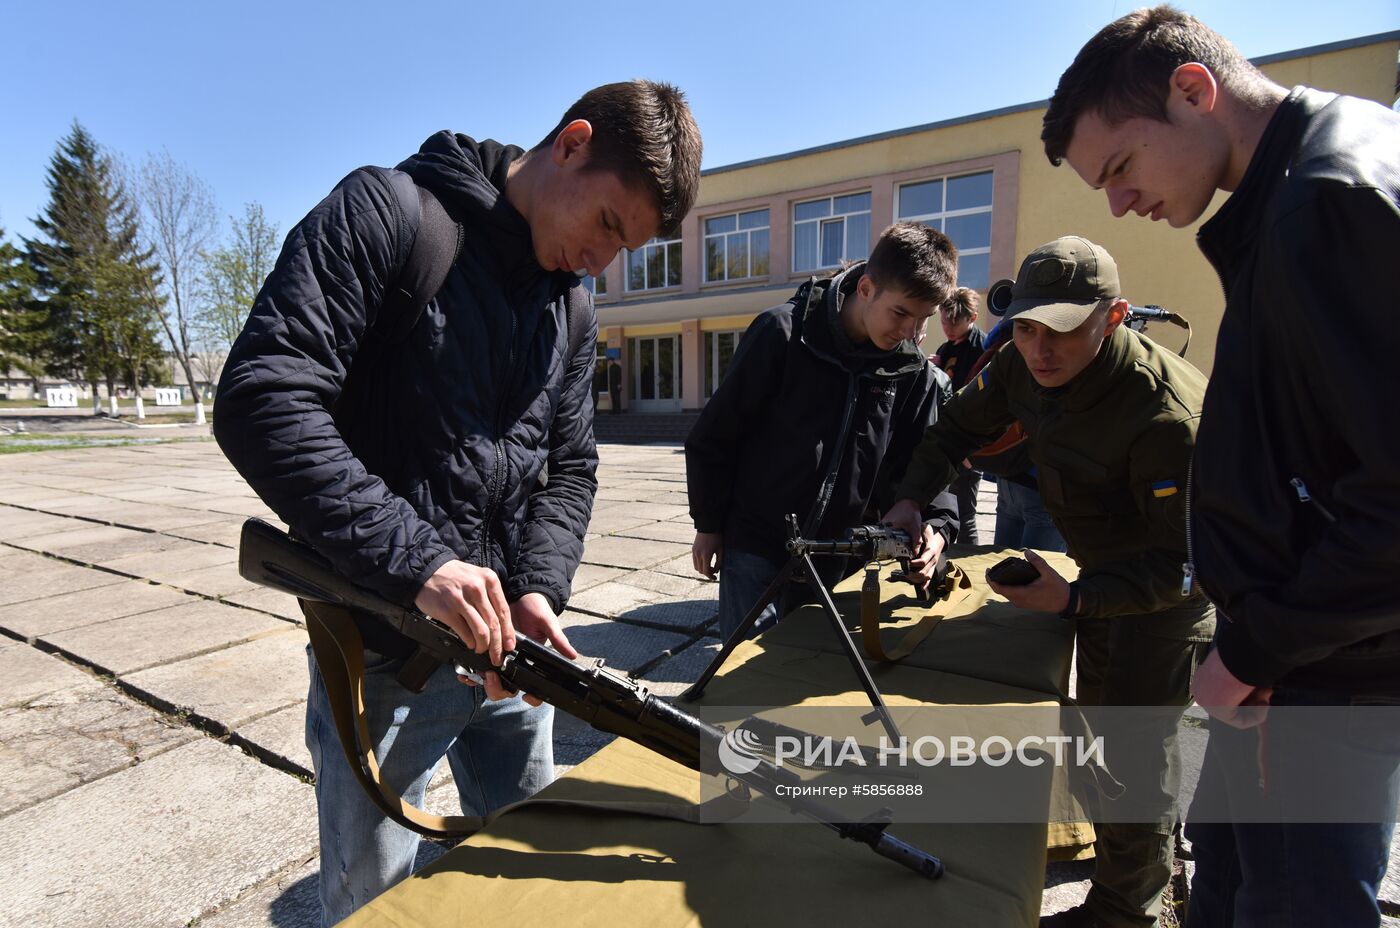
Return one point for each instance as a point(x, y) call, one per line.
point(956, 585)
point(340, 657)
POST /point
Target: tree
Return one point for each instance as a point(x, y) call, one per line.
point(233, 275)
point(181, 222)
point(21, 319)
point(96, 281)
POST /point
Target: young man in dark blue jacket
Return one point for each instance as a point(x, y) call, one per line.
point(817, 415)
point(414, 463)
point(1294, 502)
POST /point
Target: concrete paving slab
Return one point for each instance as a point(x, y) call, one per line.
point(657, 512)
point(219, 580)
point(672, 676)
point(609, 523)
point(626, 647)
point(270, 601)
point(36, 576)
point(75, 539)
point(180, 557)
point(25, 523)
point(235, 685)
point(226, 533)
point(59, 741)
point(613, 551)
point(37, 617)
point(287, 900)
point(683, 615)
point(679, 532)
point(681, 566)
point(589, 575)
point(156, 518)
point(156, 845)
point(613, 598)
point(692, 587)
point(149, 639)
point(27, 673)
point(125, 544)
point(282, 734)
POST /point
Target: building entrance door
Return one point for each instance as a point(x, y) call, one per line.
point(655, 362)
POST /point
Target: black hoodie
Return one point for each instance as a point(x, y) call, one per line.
point(392, 459)
point(806, 422)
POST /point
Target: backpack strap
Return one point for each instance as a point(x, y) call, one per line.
point(435, 242)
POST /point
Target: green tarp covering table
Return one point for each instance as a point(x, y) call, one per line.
point(554, 864)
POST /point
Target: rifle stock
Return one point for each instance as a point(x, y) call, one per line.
point(608, 701)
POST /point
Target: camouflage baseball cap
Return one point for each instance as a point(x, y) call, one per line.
point(1059, 284)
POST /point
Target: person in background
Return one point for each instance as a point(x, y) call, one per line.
point(956, 357)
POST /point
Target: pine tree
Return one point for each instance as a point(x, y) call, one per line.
point(21, 319)
point(98, 284)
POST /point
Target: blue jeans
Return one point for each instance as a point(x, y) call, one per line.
point(1022, 521)
point(500, 752)
point(744, 576)
point(1254, 868)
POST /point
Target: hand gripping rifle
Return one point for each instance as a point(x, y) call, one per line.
point(606, 700)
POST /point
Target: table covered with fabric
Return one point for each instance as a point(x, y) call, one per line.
point(615, 843)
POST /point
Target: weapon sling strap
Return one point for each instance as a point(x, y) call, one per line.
point(956, 586)
point(339, 652)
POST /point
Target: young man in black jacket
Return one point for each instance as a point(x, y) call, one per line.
point(822, 404)
point(1295, 494)
point(413, 463)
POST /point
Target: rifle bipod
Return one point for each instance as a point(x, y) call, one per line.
point(800, 567)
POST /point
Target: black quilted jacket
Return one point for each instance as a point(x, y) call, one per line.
point(470, 438)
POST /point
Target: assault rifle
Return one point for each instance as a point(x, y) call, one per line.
point(608, 701)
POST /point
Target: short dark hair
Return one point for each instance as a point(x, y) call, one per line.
point(916, 260)
point(643, 132)
point(1125, 71)
point(961, 304)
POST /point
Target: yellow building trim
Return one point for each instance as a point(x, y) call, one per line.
point(661, 328)
point(726, 323)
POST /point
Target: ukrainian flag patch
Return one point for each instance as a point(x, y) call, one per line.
point(1164, 488)
point(982, 379)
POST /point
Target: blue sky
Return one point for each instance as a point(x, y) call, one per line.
point(275, 102)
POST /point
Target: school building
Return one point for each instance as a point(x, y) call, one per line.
point(672, 312)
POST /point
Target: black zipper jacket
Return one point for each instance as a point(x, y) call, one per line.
point(434, 447)
point(1295, 503)
point(806, 422)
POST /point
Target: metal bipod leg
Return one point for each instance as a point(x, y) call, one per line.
point(697, 689)
point(802, 563)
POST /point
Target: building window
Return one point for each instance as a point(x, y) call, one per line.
point(656, 264)
point(598, 286)
point(831, 230)
point(736, 245)
point(719, 351)
point(961, 208)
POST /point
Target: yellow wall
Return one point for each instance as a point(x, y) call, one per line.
point(1157, 264)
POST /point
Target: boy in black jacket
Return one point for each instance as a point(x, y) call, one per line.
point(824, 401)
point(1295, 489)
point(412, 464)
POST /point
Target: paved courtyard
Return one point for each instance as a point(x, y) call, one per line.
point(152, 765)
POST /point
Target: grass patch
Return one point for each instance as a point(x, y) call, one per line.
point(25, 442)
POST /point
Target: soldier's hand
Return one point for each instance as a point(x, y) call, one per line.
point(1050, 593)
point(921, 567)
point(707, 553)
point(469, 600)
point(905, 515)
